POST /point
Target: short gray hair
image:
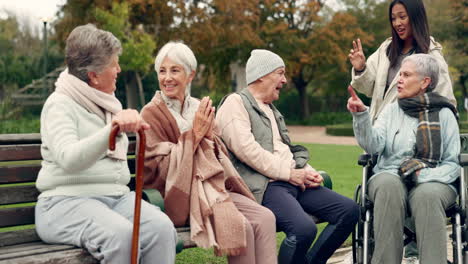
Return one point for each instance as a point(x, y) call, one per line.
point(180, 54)
point(90, 49)
point(426, 66)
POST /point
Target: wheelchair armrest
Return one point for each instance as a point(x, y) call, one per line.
point(367, 159)
point(154, 197)
point(364, 159)
point(327, 181)
point(463, 158)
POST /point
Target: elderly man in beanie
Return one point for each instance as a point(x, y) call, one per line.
point(277, 171)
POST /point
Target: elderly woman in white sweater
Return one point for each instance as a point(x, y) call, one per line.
point(84, 198)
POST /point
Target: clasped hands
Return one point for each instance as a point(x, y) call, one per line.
point(204, 121)
point(305, 178)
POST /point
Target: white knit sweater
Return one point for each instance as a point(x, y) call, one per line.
point(74, 145)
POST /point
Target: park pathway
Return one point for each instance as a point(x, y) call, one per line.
point(317, 134)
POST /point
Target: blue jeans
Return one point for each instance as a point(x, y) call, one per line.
point(292, 207)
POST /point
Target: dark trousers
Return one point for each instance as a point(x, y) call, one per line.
point(292, 207)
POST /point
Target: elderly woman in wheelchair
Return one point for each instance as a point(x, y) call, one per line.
point(417, 142)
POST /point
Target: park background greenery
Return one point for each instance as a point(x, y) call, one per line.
point(312, 37)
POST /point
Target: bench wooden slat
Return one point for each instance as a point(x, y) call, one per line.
point(27, 250)
point(33, 152)
point(131, 165)
point(20, 152)
point(16, 216)
point(14, 139)
point(131, 148)
point(18, 237)
point(19, 173)
point(70, 256)
point(184, 234)
point(22, 247)
point(28, 172)
point(18, 194)
point(34, 138)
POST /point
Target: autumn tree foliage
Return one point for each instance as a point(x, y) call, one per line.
point(313, 45)
point(449, 25)
point(138, 48)
point(137, 24)
point(220, 32)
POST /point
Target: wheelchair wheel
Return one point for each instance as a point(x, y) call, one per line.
point(459, 239)
point(357, 234)
point(362, 236)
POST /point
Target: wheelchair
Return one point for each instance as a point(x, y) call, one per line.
point(362, 236)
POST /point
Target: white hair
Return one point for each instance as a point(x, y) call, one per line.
point(426, 66)
point(180, 54)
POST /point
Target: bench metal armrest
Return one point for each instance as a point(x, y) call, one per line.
point(327, 181)
point(154, 197)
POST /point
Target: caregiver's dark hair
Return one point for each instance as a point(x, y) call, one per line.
point(420, 27)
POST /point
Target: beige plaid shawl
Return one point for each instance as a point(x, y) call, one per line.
point(194, 182)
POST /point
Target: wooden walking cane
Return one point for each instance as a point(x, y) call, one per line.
point(138, 189)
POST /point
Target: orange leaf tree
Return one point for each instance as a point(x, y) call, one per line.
point(222, 32)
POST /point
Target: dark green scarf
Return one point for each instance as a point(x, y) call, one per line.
point(426, 108)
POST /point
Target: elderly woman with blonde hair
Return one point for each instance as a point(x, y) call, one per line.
point(84, 198)
point(189, 164)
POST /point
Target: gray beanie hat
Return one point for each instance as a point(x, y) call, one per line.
point(261, 63)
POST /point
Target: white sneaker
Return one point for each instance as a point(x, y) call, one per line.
point(410, 260)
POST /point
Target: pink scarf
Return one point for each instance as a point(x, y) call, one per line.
point(102, 104)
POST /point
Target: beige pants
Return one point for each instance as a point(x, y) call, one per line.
point(261, 233)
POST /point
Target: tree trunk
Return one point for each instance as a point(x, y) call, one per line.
point(463, 79)
point(140, 89)
point(301, 87)
point(131, 90)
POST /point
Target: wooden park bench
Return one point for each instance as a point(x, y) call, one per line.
point(20, 159)
point(20, 162)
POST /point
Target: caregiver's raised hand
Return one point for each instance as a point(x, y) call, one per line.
point(357, 57)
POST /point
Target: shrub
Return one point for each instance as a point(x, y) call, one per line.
point(24, 125)
point(463, 125)
point(340, 130)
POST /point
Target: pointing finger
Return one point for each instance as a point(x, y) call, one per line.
point(355, 47)
point(352, 92)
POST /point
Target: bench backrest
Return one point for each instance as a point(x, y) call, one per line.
point(20, 162)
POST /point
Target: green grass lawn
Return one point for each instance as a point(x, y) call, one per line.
point(341, 164)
